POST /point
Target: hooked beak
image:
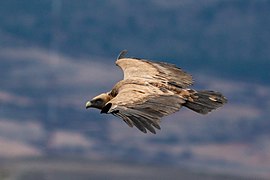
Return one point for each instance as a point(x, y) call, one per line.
point(88, 104)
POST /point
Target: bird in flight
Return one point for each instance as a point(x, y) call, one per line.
point(151, 90)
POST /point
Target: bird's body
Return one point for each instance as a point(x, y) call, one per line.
point(151, 90)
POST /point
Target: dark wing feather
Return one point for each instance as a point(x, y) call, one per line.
point(140, 123)
point(139, 119)
point(174, 75)
point(122, 54)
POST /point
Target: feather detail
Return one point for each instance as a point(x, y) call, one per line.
point(151, 90)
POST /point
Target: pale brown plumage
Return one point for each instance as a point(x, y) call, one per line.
point(151, 90)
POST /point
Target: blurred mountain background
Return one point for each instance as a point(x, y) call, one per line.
point(56, 54)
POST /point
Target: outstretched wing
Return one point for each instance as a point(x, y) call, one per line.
point(143, 106)
point(164, 73)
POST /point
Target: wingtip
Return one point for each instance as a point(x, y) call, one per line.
point(122, 54)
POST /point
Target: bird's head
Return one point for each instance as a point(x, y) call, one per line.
point(98, 101)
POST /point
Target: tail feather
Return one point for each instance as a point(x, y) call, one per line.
point(205, 101)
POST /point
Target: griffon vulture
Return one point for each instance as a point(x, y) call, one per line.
point(151, 90)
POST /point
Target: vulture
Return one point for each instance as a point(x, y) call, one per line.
point(151, 90)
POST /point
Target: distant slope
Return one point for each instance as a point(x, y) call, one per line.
point(62, 169)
